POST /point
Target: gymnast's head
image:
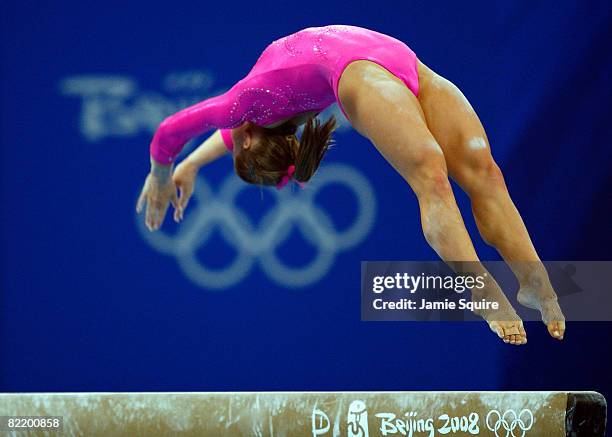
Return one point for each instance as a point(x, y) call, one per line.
point(273, 156)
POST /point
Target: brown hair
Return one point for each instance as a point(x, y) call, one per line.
point(267, 163)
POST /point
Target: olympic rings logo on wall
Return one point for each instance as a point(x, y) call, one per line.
point(505, 425)
point(257, 244)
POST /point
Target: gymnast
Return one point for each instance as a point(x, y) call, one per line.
point(419, 121)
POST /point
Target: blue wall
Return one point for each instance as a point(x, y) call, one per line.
point(89, 302)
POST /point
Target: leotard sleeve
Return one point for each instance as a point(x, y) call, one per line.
point(261, 99)
point(177, 129)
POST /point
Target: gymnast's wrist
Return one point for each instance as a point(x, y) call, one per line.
point(161, 172)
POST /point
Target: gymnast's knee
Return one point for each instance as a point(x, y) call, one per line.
point(428, 176)
point(479, 174)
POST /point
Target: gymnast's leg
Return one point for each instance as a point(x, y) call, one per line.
point(458, 130)
point(384, 110)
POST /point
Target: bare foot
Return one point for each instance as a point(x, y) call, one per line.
point(508, 329)
point(504, 321)
point(544, 299)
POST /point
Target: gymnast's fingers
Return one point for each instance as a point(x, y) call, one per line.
point(141, 202)
point(186, 190)
point(178, 210)
point(149, 215)
point(162, 209)
point(143, 197)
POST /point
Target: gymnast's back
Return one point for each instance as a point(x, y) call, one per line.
point(314, 58)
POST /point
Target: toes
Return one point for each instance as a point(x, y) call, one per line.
point(512, 329)
point(514, 333)
point(561, 325)
point(556, 329)
point(518, 339)
point(510, 332)
point(552, 329)
point(512, 339)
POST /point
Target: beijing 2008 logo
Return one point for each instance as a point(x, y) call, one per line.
point(257, 244)
point(359, 423)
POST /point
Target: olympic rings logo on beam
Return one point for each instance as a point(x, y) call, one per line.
point(506, 424)
point(258, 244)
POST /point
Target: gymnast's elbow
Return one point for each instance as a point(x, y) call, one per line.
point(168, 134)
point(167, 128)
point(166, 144)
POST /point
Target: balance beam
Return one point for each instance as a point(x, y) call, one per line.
point(313, 414)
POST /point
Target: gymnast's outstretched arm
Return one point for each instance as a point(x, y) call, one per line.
point(159, 189)
point(255, 98)
point(177, 129)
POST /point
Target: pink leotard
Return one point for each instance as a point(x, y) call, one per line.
point(295, 74)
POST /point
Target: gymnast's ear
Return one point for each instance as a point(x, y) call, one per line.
point(248, 139)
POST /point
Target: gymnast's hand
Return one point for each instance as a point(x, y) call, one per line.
point(158, 192)
point(184, 178)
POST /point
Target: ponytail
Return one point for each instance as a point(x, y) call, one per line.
point(315, 140)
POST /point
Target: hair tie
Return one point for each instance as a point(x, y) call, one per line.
point(287, 177)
